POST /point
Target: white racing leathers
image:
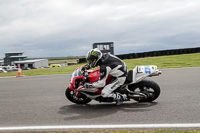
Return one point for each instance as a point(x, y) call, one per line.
point(111, 65)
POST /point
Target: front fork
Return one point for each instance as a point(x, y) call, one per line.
point(77, 94)
point(76, 91)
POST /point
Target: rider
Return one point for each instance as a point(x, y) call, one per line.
point(109, 65)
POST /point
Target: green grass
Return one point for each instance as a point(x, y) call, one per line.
point(53, 60)
point(120, 131)
point(46, 71)
point(63, 61)
point(65, 58)
point(173, 61)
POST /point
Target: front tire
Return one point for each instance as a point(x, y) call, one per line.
point(148, 87)
point(71, 96)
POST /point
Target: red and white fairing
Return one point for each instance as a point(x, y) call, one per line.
point(93, 76)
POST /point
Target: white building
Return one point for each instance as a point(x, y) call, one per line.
point(32, 63)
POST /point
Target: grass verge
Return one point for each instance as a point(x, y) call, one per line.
point(120, 131)
point(173, 61)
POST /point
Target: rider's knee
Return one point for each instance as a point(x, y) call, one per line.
point(105, 93)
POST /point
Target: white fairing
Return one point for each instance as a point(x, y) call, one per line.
point(141, 72)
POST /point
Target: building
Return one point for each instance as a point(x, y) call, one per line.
point(105, 47)
point(17, 58)
point(1, 62)
point(32, 63)
point(10, 57)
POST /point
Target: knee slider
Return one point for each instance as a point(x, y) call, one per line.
point(104, 94)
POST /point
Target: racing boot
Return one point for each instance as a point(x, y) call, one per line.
point(120, 98)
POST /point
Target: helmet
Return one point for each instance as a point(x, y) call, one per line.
point(93, 56)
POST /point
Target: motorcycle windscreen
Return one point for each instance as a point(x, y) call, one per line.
point(77, 72)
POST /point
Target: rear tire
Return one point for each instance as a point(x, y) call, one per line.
point(71, 96)
point(148, 87)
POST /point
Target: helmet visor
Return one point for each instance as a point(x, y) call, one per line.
point(92, 62)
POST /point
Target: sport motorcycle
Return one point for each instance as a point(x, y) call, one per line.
point(136, 86)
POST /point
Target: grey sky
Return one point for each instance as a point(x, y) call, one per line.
point(51, 28)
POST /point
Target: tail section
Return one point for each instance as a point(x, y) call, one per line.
point(141, 72)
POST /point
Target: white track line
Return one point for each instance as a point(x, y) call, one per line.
point(123, 126)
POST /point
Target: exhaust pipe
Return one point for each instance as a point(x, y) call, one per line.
point(136, 94)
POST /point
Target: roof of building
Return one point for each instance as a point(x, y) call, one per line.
point(14, 52)
point(29, 61)
point(20, 56)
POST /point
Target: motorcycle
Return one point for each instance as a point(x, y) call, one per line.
point(136, 87)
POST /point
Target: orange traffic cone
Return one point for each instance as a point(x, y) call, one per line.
point(19, 71)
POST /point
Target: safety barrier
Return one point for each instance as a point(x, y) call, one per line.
point(159, 53)
point(154, 53)
point(82, 60)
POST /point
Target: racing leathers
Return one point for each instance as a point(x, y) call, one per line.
point(111, 65)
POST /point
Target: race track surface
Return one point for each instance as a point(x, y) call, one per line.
point(41, 101)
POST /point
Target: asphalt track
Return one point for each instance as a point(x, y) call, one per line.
point(40, 101)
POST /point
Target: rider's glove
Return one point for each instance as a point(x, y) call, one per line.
point(88, 85)
point(85, 67)
point(88, 66)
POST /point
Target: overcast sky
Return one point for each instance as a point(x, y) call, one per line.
point(53, 28)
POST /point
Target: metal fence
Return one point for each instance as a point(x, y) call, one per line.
point(154, 53)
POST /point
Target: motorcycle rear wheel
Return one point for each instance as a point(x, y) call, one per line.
point(148, 87)
point(71, 96)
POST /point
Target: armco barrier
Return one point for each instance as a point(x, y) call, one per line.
point(159, 53)
point(82, 60)
point(154, 53)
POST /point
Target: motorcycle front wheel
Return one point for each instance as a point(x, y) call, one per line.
point(147, 87)
point(71, 96)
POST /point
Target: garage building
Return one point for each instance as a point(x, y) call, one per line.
point(32, 63)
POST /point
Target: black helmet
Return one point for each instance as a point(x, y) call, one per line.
point(93, 56)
